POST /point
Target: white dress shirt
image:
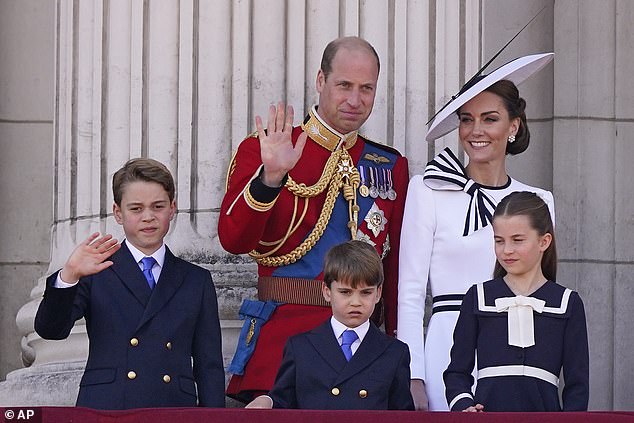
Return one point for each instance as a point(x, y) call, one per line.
point(339, 328)
point(159, 256)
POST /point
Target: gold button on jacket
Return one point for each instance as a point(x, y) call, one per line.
point(167, 378)
point(335, 391)
point(134, 342)
point(131, 375)
point(168, 345)
point(363, 393)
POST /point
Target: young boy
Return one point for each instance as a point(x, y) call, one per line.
point(152, 318)
point(347, 362)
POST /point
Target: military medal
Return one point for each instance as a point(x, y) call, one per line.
point(361, 236)
point(364, 191)
point(374, 192)
point(382, 190)
point(386, 247)
point(375, 220)
point(391, 194)
point(376, 158)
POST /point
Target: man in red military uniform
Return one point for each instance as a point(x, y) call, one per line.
point(293, 193)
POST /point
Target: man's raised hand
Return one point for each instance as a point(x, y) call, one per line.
point(278, 154)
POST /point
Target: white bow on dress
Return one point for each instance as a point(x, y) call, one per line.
point(520, 318)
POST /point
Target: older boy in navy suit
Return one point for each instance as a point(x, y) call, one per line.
point(347, 362)
point(152, 318)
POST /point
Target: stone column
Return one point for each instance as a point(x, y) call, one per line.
point(500, 22)
point(135, 79)
point(26, 190)
point(181, 82)
point(593, 151)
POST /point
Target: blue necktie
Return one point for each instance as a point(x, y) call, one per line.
point(148, 264)
point(347, 338)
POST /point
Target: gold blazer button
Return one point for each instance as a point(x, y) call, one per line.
point(131, 375)
point(134, 342)
point(168, 345)
point(335, 391)
point(363, 393)
point(167, 378)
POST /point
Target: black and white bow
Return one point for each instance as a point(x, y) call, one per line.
point(445, 172)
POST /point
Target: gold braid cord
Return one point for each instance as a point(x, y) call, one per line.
point(301, 190)
point(340, 163)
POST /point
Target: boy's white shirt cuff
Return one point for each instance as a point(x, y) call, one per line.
point(59, 282)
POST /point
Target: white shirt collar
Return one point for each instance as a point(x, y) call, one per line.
point(159, 255)
point(338, 328)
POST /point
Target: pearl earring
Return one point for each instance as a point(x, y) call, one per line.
point(511, 139)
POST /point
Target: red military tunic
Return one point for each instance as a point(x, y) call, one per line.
point(250, 223)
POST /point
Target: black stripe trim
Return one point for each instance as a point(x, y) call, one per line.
point(440, 309)
point(448, 297)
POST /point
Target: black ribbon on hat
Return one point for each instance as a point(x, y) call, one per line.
point(478, 75)
point(445, 172)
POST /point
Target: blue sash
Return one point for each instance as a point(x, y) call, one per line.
point(255, 314)
point(336, 232)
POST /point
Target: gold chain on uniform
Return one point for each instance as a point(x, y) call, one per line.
point(339, 163)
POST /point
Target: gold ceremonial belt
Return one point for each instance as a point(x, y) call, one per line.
point(291, 291)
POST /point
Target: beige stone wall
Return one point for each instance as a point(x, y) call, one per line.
point(500, 22)
point(26, 160)
point(594, 116)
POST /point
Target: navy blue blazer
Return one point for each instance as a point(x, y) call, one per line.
point(314, 373)
point(147, 348)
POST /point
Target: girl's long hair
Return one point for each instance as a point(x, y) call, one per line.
point(529, 204)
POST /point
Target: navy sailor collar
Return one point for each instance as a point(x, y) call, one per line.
point(557, 297)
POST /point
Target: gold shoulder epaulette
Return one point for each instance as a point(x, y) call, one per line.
point(230, 170)
point(232, 163)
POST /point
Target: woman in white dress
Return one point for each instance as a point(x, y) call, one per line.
point(446, 237)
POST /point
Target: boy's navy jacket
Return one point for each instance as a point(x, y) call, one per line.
point(142, 342)
point(314, 373)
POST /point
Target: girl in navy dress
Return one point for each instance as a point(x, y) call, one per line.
point(524, 326)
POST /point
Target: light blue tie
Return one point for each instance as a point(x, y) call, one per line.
point(347, 338)
point(148, 264)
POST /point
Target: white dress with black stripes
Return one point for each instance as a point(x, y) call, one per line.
point(434, 250)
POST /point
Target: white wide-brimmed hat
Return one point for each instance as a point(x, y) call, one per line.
point(516, 71)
